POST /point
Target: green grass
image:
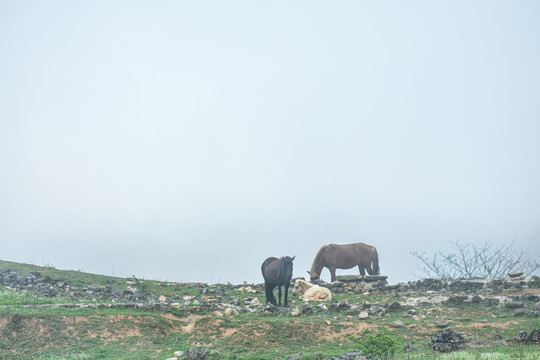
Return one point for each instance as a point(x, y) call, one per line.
point(11, 297)
point(32, 327)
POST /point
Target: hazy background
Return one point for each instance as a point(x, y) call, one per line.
point(190, 140)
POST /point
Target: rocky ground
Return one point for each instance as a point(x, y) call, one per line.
point(521, 296)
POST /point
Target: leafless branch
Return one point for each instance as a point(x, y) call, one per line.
point(469, 260)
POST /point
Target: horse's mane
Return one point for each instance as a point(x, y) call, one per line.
point(317, 260)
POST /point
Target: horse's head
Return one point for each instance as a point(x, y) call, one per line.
point(287, 266)
point(313, 275)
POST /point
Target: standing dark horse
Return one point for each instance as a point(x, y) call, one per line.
point(345, 257)
point(277, 272)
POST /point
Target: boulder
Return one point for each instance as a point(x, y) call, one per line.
point(197, 353)
point(447, 341)
point(534, 336)
point(396, 324)
point(363, 315)
point(514, 305)
point(521, 337)
point(394, 306)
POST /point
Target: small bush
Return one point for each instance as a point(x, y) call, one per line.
point(381, 345)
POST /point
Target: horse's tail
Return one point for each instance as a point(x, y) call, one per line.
point(376, 269)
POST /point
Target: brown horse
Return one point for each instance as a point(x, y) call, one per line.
point(347, 256)
point(277, 272)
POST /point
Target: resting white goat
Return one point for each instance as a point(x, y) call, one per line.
point(311, 292)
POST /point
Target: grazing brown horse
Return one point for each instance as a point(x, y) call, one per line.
point(347, 256)
point(277, 272)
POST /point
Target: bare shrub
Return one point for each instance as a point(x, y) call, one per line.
point(470, 261)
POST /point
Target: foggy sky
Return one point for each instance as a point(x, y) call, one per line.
point(189, 141)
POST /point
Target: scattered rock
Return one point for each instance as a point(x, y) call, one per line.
point(409, 347)
point(363, 315)
point(339, 306)
point(514, 304)
point(397, 324)
point(521, 337)
point(499, 342)
point(197, 353)
point(447, 341)
point(296, 311)
point(394, 306)
point(515, 274)
point(534, 336)
point(248, 289)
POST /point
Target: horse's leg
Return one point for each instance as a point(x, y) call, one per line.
point(286, 303)
point(279, 292)
point(361, 269)
point(270, 298)
point(370, 270)
point(266, 293)
point(332, 273)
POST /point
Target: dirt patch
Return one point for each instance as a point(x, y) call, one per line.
point(3, 322)
point(345, 330)
point(172, 317)
point(106, 328)
point(16, 328)
point(271, 334)
point(118, 333)
point(191, 321)
point(505, 325)
point(37, 324)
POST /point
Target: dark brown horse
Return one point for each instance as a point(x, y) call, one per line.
point(345, 257)
point(277, 272)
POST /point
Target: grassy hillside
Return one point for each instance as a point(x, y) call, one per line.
point(226, 320)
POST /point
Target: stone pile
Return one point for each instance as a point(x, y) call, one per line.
point(46, 287)
point(523, 337)
point(447, 340)
point(359, 284)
